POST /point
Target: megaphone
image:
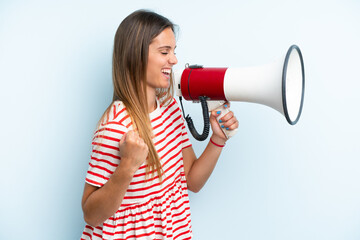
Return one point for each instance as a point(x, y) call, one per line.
point(279, 85)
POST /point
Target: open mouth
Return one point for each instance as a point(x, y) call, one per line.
point(166, 72)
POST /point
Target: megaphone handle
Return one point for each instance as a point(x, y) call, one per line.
point(219, 106)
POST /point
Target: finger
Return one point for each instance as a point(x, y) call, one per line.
point(227, 117)
point(141, 141)
point(142, 145)
point(136, 133)
point(130, 133)
point(132, 137)
point(215, 114)
point(226, 104)
point(146, 148)
point(231, 124)
point(123, 138)
point(234, 126)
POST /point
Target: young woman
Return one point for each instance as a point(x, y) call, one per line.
point(142, 162)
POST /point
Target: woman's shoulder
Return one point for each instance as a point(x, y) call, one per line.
point(116, 116)
point(117, 107)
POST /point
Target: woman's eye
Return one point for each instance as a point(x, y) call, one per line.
point(164, 53)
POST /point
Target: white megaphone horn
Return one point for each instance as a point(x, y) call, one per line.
point(279, 85)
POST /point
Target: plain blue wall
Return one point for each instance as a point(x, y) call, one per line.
point(273, 181)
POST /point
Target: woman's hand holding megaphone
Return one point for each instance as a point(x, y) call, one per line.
point(223, 121)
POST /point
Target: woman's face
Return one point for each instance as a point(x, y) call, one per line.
point(161, 59)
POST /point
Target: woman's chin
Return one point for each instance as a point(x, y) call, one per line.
point(165, 84)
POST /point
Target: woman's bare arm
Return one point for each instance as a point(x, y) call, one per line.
point(99, 204)
point(198, 170)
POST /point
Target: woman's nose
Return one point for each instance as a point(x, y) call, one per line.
point(173, 59)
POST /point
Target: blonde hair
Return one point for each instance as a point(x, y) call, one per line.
point(130, 58)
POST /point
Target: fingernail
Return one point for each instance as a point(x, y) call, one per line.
point(222, 126)
point(225, 106)
point(218, 112)
point(227, 128)
point(220, 121)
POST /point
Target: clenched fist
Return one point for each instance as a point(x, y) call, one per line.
point(133, 150)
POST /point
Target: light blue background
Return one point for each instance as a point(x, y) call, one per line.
point(273, 181)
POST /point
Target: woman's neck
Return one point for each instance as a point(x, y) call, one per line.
point(151, 99)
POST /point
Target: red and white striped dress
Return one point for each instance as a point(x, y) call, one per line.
point(150, 209)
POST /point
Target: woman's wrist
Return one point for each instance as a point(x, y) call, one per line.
point(217, 141)
point(126, 169)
